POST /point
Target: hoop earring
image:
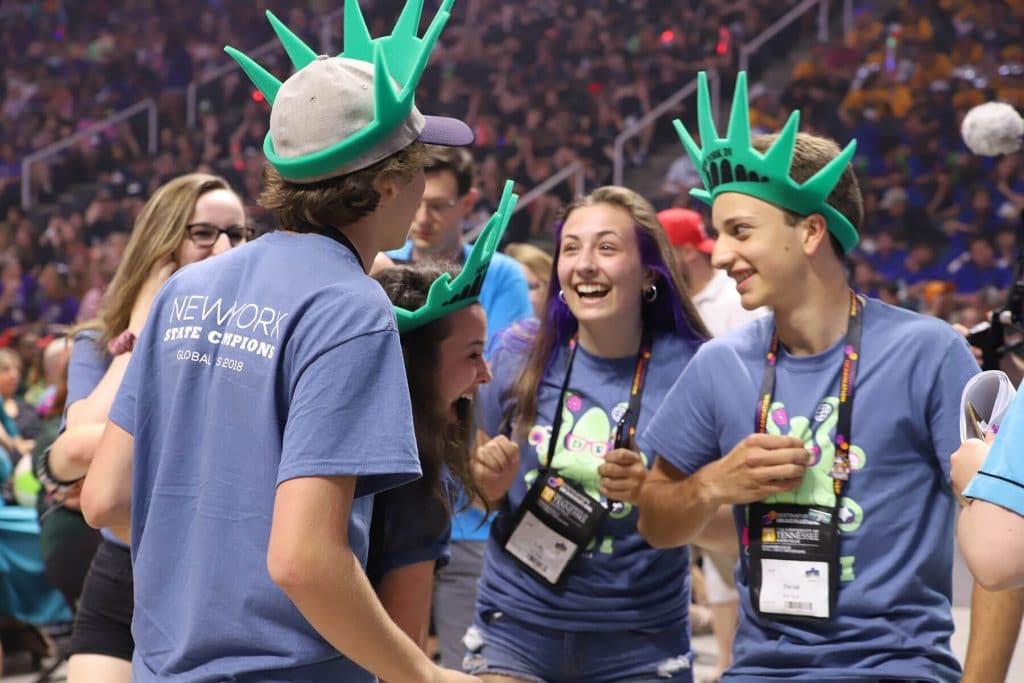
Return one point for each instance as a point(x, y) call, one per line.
point(651, 293)
point(561, 296)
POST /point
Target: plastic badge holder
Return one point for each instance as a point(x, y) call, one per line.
point(984, 402)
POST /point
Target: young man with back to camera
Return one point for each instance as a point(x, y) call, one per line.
point(256, 443)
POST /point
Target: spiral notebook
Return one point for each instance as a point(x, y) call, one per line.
point(984, 403)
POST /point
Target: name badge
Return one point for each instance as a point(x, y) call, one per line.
point(554, 523)
point(794, 551)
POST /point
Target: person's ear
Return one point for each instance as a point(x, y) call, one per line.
point(387, 188)
point(815, 233)
point(650, 277)
point(468, 201)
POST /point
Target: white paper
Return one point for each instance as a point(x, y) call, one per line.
point(538, 546)
point(794, 587)
point(991, 393)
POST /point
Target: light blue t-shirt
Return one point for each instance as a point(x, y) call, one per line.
point(1001, 477)
point(620, 582)
point(86, 367)
point(896, 517)
point(505, 297)
point(279, 359)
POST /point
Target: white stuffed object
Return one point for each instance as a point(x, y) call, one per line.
point(992, 129)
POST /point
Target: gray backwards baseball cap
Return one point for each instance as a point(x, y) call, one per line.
point(336, 115)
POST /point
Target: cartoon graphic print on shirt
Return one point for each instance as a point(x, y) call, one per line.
point(818, 436)
point(586, 437)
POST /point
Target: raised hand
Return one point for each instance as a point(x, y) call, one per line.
point(495, 466)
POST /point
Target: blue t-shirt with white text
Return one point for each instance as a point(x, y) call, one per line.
point(276, 360)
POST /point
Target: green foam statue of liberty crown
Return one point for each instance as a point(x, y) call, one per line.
point(731, 164)
point(447, 295)
point(399, 58)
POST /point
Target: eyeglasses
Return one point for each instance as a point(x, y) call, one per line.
point(207, 234)
point(438, 206)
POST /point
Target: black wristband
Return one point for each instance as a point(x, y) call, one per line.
point(51, 483)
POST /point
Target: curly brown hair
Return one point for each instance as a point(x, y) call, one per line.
point(341, 201)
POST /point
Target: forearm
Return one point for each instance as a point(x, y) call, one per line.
point(331, 590)
point(995, 626)
point(675, 513)
point(405, 594)
point(94, 408)
point(991, 541)
point(72, 452)
point(719, 534)
point(107, 489)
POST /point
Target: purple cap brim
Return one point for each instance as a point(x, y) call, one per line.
point(443, 130)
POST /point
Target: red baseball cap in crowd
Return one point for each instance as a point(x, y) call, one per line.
point(683, 226)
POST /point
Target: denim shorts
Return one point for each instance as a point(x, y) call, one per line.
point(498, 644)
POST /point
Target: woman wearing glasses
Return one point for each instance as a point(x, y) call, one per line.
point(570, 591)
point(188, 219)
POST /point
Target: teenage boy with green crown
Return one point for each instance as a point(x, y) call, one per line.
point(267, 400)
point(826, 425)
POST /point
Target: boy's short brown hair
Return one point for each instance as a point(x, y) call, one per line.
point(458, 160)
point(811, 153)
point(340, 201)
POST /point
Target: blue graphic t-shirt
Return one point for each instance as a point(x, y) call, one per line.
point(896, 516)
point(276, 360)
point(620, 582)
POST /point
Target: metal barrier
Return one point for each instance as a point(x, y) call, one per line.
point(574, 170)
point(192, 92)
point(59, 146)
point(272, 46)
point(618, 162)
point(784, 21)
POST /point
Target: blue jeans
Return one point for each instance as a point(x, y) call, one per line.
point(498, 644)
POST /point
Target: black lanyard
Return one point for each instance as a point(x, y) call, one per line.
point(851, 356)
point(336, 235)
point(626, 427)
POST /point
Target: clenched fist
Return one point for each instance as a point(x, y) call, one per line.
point(495, 465)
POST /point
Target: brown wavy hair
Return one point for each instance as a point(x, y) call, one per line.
point(341, 201)
point(440, 440)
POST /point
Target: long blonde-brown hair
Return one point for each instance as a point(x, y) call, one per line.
point(672, 310)
point(158, 231)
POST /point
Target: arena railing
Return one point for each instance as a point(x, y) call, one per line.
point(149, 106)
point(670, 104)
point(745, 53)
point(575, 170)
point(271, 47)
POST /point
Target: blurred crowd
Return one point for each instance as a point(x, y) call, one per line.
point(537, 105)
point(545, 84)
point(941, 224)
